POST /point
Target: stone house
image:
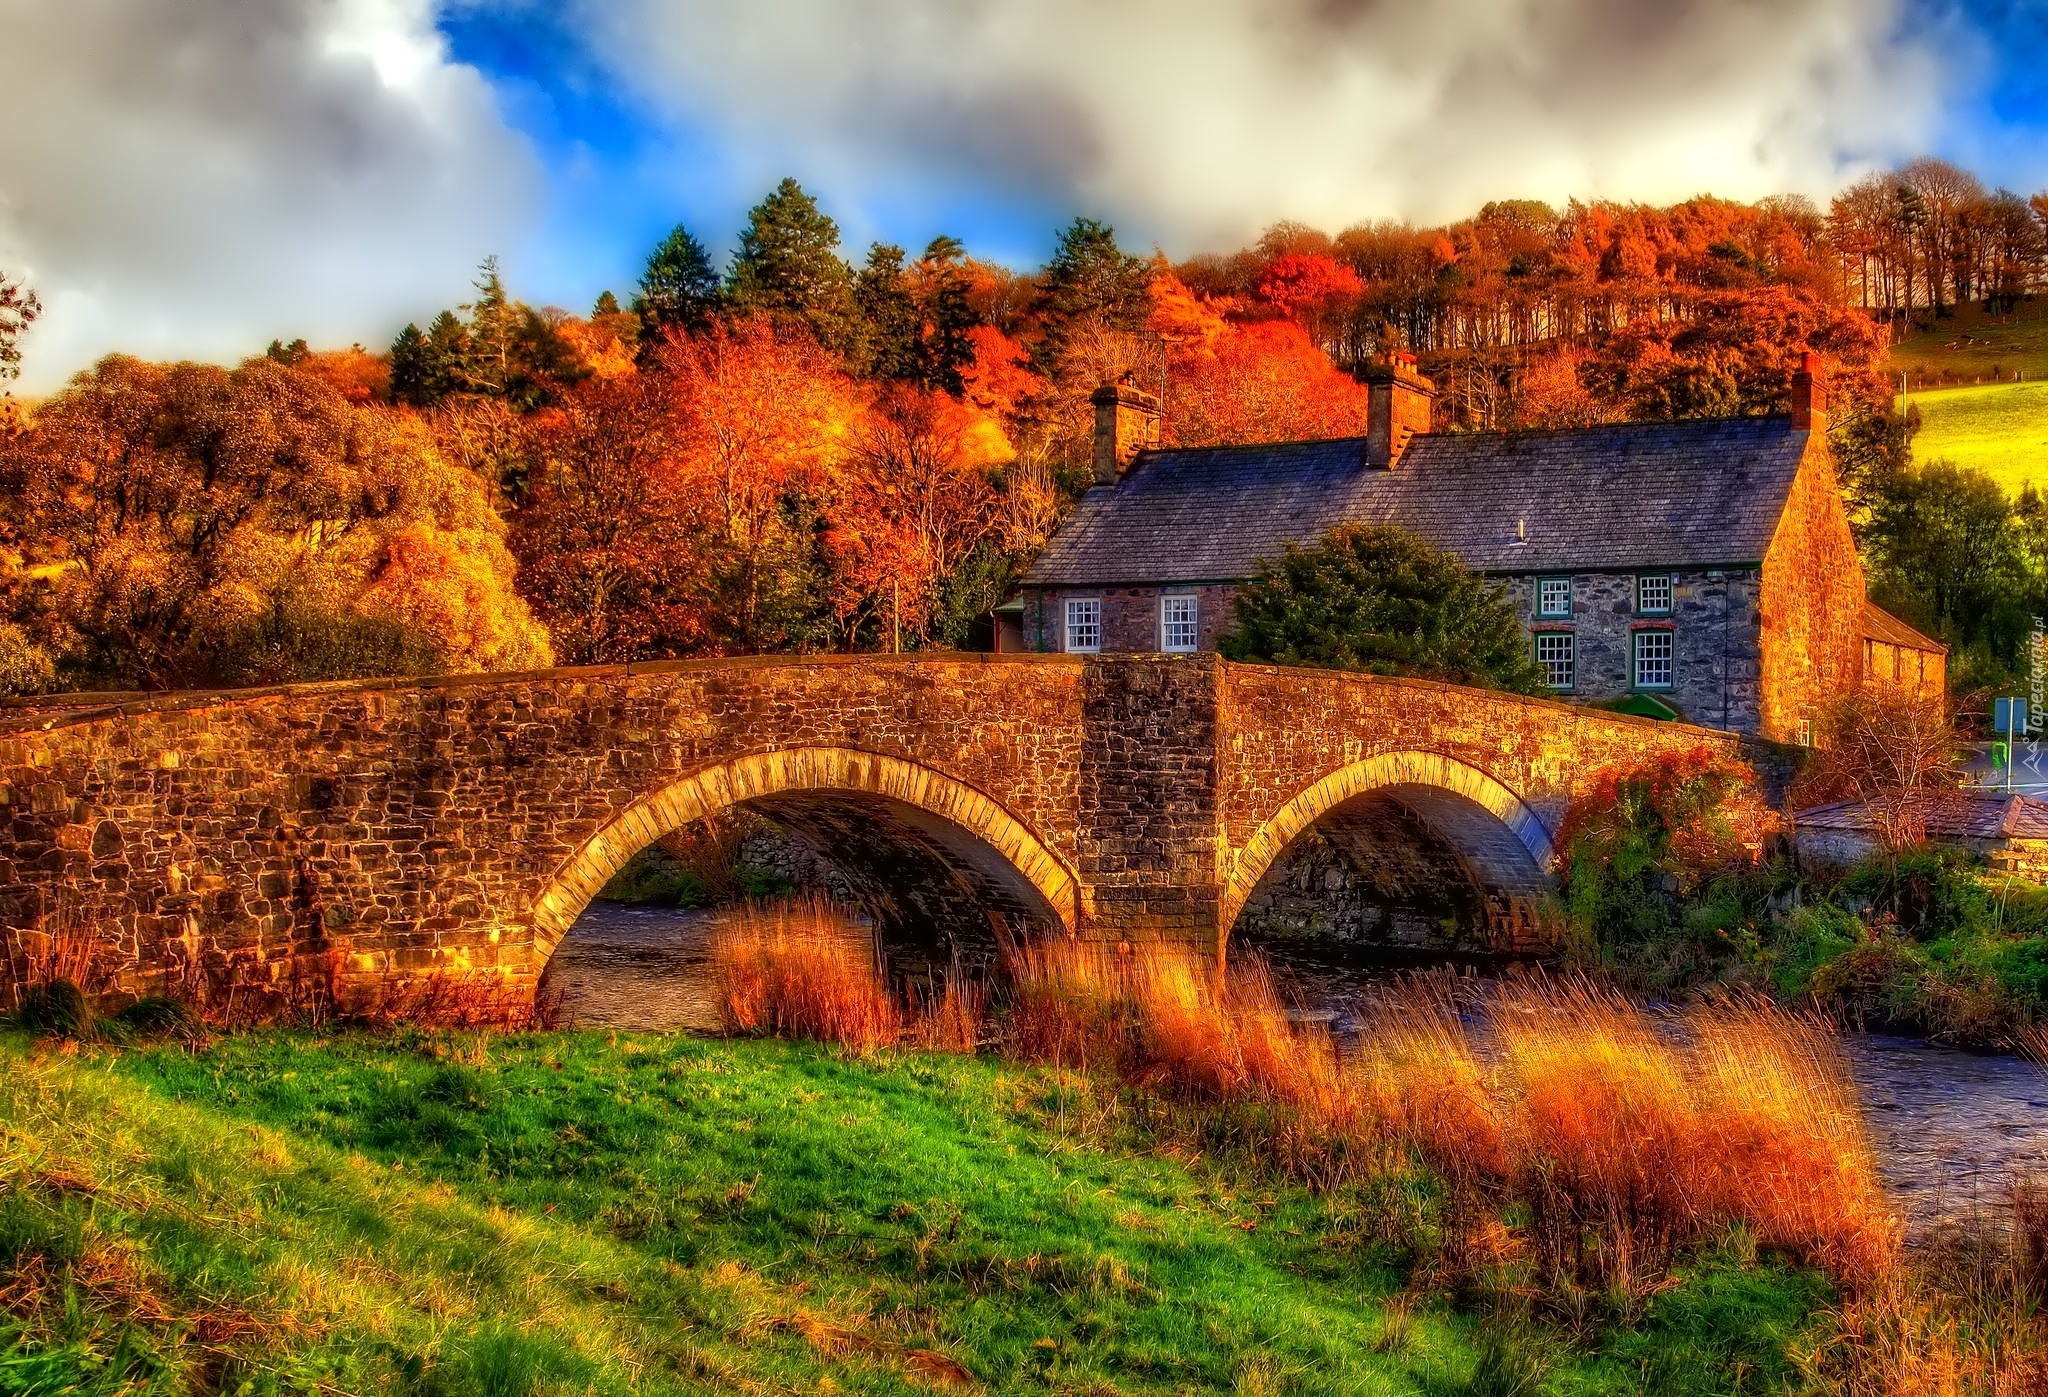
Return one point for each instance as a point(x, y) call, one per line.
point(1699, 569)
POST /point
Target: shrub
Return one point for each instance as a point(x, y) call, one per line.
point(1667, 857)
point(1385, 601)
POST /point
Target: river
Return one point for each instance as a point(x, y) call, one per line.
point(1951, 1128)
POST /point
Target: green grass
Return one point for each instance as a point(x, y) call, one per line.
point(2000, 428)
point(1973, 346)
point(580, 1213)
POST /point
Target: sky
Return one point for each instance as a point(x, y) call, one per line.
point(192, 178)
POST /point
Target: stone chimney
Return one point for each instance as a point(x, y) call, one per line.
point(1809, 399)
point(1126, 422)
point(1398, 406)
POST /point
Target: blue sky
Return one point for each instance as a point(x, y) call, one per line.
point(203, 175)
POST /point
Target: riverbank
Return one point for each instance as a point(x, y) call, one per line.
point(1952, 1129)
point(605, 1212)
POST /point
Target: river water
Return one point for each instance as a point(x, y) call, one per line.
point(1951, 1128)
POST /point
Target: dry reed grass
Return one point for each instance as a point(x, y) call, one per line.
point(1626, 1140)
point(800, 969)
point(1162, 1017)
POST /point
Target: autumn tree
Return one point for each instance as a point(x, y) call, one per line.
point(764, 417)
point(1263, 382)
point(918, 495)
point(680, 288)
point(610, 549)
point(1385, 601)
point(788, 269)
point(189, 525)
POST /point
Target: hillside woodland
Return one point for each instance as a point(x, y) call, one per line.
point(797, 452)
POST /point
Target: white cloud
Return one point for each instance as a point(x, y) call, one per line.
point(193, 177)
point(1200, 120)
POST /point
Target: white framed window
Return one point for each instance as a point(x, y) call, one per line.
point(1653, 659)
point(1553, 596)
point(1084, 625)
point(1178, 631)
point(1653, 594)
point(1806, 732)
point(1555, 653)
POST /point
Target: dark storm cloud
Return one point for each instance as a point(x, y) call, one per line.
point(195, 176)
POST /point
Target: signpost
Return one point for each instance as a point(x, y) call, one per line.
point(2009, 716)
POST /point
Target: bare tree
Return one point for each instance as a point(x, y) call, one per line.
point(1890, 750)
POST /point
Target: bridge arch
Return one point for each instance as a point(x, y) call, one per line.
point(974, 828)
point(1503, 843)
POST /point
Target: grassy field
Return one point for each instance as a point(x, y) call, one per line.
point(579, 1213)
point(1973, 347)
point(2000, 428)
point(1981, 385)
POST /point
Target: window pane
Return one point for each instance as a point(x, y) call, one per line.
point(1177, 629)
point(1084, 625)
point(1554, 654)
point(1554, 596)
point(1653, 593)
point(1653, 659)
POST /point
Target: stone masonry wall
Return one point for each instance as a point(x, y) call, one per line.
point(1713, 621)
point(1130, 616)
point(388, 831)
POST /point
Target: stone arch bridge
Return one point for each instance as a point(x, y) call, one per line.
point(389, 830)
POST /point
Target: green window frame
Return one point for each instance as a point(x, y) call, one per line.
point(1553, 598)
point(1653, 588)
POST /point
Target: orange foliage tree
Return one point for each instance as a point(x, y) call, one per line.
point(917, 495)
point(1261, 382)
point(187, 525)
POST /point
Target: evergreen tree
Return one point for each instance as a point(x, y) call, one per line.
point(788, 267)
point(893, 335)
point(1090, 279)
point(948, 316)
point(679, 289)
point(447, 357)
point(410, 366)
point(607, 304)
point(494, 326)
point(1382, 600)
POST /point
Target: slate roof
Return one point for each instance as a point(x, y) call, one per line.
point(1949, 814)
point(1880, 625)
point(1613, 498)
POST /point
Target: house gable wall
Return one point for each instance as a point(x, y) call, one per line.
point(1810, 640)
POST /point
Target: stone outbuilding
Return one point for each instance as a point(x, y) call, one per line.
point(1897, 656)
point(2009, 832)
point(1702, 569)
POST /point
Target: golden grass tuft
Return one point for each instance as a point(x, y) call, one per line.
point(801, 969)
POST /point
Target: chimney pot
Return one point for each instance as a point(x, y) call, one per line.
point(1809, 398)
point(1399, 405)
point(1126, 422)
